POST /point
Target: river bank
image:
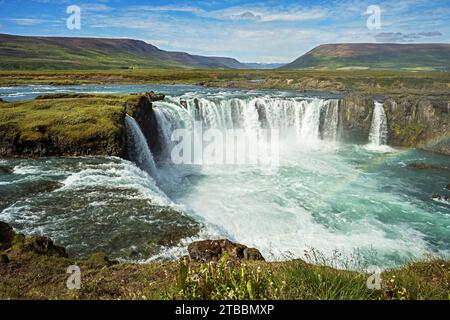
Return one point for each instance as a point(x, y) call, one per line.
point(35, 268)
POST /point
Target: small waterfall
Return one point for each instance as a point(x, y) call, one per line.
point(331, 120)
point(379, 130)
point(138, 148)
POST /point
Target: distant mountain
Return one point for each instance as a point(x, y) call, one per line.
point(375, 56)
point(34, 53)
point(257, 65)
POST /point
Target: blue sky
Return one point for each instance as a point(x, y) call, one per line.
point(251, 31)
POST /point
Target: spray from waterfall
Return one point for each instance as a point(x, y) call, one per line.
point(138, 149)
point(379, 130)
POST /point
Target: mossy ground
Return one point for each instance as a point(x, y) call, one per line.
point(29, 275)
point(70, 119)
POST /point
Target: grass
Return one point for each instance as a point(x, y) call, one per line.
point(35, 276)
point(67, 122)
point(367, 81)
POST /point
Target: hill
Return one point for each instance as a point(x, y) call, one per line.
point(61, 53)
point(424, 57)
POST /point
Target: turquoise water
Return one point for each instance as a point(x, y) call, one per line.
point(330, 195)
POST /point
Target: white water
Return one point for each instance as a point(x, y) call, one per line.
point(379, 131)
point(138, 148)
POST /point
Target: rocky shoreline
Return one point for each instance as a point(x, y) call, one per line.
point(33, 267)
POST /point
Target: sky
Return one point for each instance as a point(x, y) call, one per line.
point(251, 31)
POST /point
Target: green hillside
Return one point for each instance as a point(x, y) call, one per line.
point(414, 57)
point(53, 53)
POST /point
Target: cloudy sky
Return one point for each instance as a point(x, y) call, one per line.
point(251, 31)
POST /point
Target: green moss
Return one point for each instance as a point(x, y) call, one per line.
point(65, 121)
point(408, 135)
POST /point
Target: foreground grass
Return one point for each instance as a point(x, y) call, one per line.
point(28, 275)
point(369, 81)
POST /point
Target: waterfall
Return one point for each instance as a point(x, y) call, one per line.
point(309, 119)
point(378, 131)
point(138, 148)
point(331, 120)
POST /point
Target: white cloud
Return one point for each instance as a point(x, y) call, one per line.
point(28, 22)
point(259, 13)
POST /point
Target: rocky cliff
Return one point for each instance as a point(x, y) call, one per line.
point(413, 121)
point(74, 125)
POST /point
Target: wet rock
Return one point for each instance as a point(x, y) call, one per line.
point(439, 197)
point(4, 258)
point(6, 170)
point(7, 235)
point(212, 250)
point(153, 96)
point(448, 186)
point(45, 246)
point(184, 104)
point(421, 166)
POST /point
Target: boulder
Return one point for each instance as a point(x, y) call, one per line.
point(212, 250)
point(153, 96)
point(448, 186)
point(7, 235)
point(45, 246)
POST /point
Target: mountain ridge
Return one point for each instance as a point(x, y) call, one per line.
point(37, 52)
point(394, 56)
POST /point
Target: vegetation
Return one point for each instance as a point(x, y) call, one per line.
point(370, 82)
point(361, 56)
point(31, 275)
point(53, 53)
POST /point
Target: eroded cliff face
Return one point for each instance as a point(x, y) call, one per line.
point(413, 121)
point(422, 122)
point(141, 109)
point(356, 117)
point(75, 125)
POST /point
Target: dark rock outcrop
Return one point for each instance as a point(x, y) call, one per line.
point(356, 116)
point(419, 121)
point(212, 250)
point(35, 244)
point(142, 111)
point(43, 245)
point(7, 235)
point(413, 121)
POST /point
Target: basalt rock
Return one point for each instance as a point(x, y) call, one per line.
point(422, 122)
point(7, 235)
point(212, 250)
point(356, 117)
point(142, 111)
point(153, 96)
point(44, 246)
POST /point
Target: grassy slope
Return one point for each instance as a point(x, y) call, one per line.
point(70, 118)
point(40, 53)
point(29, 275)
point(375, 56)
point(372, 82)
